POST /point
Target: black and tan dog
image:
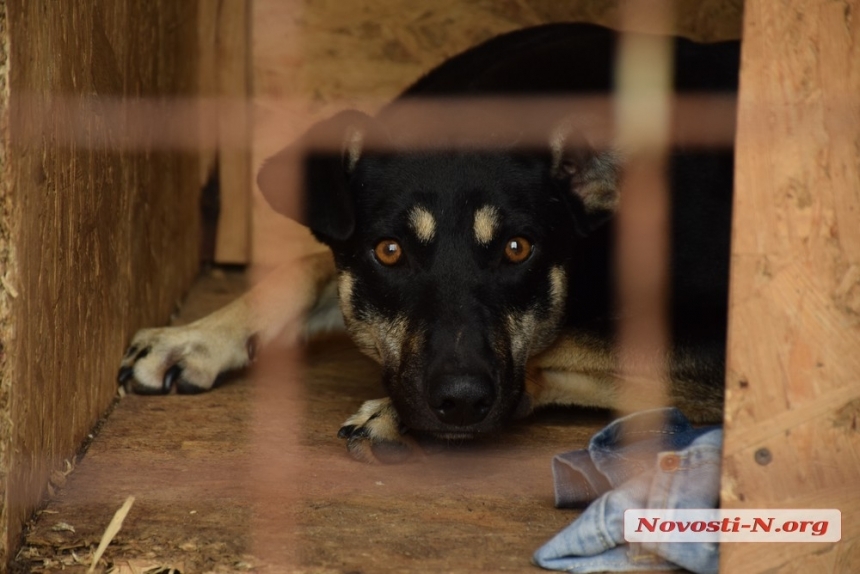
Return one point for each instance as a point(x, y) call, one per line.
point(479, 272)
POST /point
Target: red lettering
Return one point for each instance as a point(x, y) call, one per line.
point(714, 526)
point(667, 526)
point(759, 523)
point(649, 527)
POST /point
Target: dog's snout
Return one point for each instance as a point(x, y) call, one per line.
point(462, 400)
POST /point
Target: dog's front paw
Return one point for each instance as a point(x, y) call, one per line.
point(188, 358)
point(374, 435)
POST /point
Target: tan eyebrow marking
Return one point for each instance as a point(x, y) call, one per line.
point(486, 221)
point(423, 224)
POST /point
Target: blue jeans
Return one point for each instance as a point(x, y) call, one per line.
point(651, 459)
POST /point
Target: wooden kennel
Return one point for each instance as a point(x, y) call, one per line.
point(112, 115)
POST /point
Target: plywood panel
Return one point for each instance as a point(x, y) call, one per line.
point(100, 229)
point(314, 58)
point(793, 365)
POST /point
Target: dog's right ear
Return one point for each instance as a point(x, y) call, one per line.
point(327, 155)
point(592, 176)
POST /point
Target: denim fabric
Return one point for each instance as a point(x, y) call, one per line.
point(622, 469)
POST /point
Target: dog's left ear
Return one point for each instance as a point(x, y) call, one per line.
point(591, 176)
point(326, 157)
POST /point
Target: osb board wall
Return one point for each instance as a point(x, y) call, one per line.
point(100, 224)
point(312, 58)
point(793, 369)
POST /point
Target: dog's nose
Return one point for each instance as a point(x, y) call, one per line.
point(462, 400)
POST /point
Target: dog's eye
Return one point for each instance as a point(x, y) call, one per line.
point(518, 249)
point(388, 252)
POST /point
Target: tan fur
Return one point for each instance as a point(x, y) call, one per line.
point(345, 284)
point(379, 338)
point(530, 334)
point(353, 146)
point(273, 309)
point(575, 369)
point(486, 222)
point(423, 224)
point(521, 329)
point(557, 293)
point(581, 370)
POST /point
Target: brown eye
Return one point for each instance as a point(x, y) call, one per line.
point(388, 252)
point(518, 249)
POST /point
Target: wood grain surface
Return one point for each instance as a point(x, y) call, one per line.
point(103, 240)
point(793, 383)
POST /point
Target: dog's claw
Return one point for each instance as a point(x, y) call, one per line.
point(125, 373)
point(346, 431)
point(169, 377)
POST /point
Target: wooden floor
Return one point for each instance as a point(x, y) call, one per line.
point(252, 477)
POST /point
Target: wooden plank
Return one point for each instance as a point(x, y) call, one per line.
point(208, 87)
point(9, 293)
point(793, 362)
point(103, 237)
point(234, 123)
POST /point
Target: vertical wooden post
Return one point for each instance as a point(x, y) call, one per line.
point(793, 378)
point(233, 70)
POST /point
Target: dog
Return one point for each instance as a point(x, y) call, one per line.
point(477, 267)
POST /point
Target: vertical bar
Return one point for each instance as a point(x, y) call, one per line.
point(644, 74)
point(234, 139)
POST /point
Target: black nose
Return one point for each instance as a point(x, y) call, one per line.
point(461, 400)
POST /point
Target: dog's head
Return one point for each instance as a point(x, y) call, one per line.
point(453, 264)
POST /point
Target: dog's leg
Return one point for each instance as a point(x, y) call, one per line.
point(584, 371)
point(191, 357)
point(575, 370)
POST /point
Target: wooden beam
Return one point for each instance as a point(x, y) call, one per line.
point(233, 69)
point(793, 376)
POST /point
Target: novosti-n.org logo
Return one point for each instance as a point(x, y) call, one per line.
point(732, 525)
